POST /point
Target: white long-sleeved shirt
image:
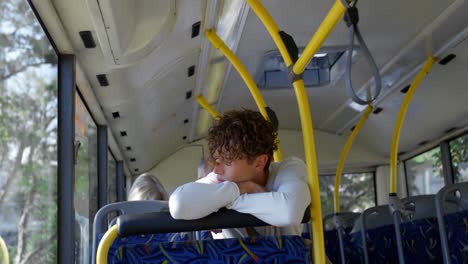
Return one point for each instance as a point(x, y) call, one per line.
point(282, 206)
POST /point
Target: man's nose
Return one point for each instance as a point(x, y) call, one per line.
point(219, 169)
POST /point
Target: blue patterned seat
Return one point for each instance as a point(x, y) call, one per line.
point(456, 225)
point(149, 249)
point(332, 247)
point(421, 241)
point(380, 242)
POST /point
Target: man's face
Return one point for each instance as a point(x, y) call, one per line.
point(236, 171)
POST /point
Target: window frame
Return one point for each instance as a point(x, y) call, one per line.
point(113, 173)
point(446, 157)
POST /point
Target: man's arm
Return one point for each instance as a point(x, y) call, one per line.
point(285, 206)
point(280, 208)
point(198, 199)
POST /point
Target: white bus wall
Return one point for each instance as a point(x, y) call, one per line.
point(181, 166)
point(382, 183)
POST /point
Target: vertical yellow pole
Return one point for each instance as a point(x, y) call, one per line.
point(312, 171)
point(329, 22)
point(401, 117)
point(344, 154)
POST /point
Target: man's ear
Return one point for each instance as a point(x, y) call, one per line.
point(261, 161)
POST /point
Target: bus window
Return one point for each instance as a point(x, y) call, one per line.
point(424, 173)
point(111, 178)
point(28, 137)
point(85, 197)
point(357, 192)
point(111, 182)
point(459, 158)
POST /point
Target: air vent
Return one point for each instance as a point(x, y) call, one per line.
point(128, 148)
point(87, 39)
point(116, 114)
point(188, 95)
point(447, 59)
point(132, 159)
point(123, 133)
point(405, 90)
point(102, 79)
point(320, 71)
point(377, 110)
point(196, 29)
point(191, 71)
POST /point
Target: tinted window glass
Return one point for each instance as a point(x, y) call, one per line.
point(357, 192)
point(424, 173)
point(28, 136)
point(459, 155)
point(85, 197)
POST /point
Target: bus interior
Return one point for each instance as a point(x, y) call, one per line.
point(94, 93)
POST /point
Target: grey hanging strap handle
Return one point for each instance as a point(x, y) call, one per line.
point(352, 18)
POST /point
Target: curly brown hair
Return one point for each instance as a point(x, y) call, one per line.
point(241, 134)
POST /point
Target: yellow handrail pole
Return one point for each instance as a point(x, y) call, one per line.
point(334, 15)
point(344, 154)
point(4, 251)
point(401, 117)
point(218, 43)
point(207, 106)
point(271, 27)
point(304, 110)
point(312, 171)
point(105, 244)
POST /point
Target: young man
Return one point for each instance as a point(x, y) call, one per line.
point(245, 179)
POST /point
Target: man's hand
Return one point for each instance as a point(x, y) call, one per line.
point(250, 187)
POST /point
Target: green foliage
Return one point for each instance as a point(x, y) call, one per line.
point(356, 192)
point(28, 110)
point(459, 154)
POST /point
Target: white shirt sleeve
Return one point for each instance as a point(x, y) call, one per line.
point(286, 203)
point(198, 199)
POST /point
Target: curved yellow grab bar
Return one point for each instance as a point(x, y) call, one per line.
point(105, 244)
point(218, 43)
point(4, 251)
point(344, 154)
point(202, 101)
point(401, 117)
point(328, 23)
point(272, 28)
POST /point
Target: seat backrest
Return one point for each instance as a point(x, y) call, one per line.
point(129, 207)
point(454, 195)
point(421, 206)
point(373, 217)
point(267, 249)
point(346, 219)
